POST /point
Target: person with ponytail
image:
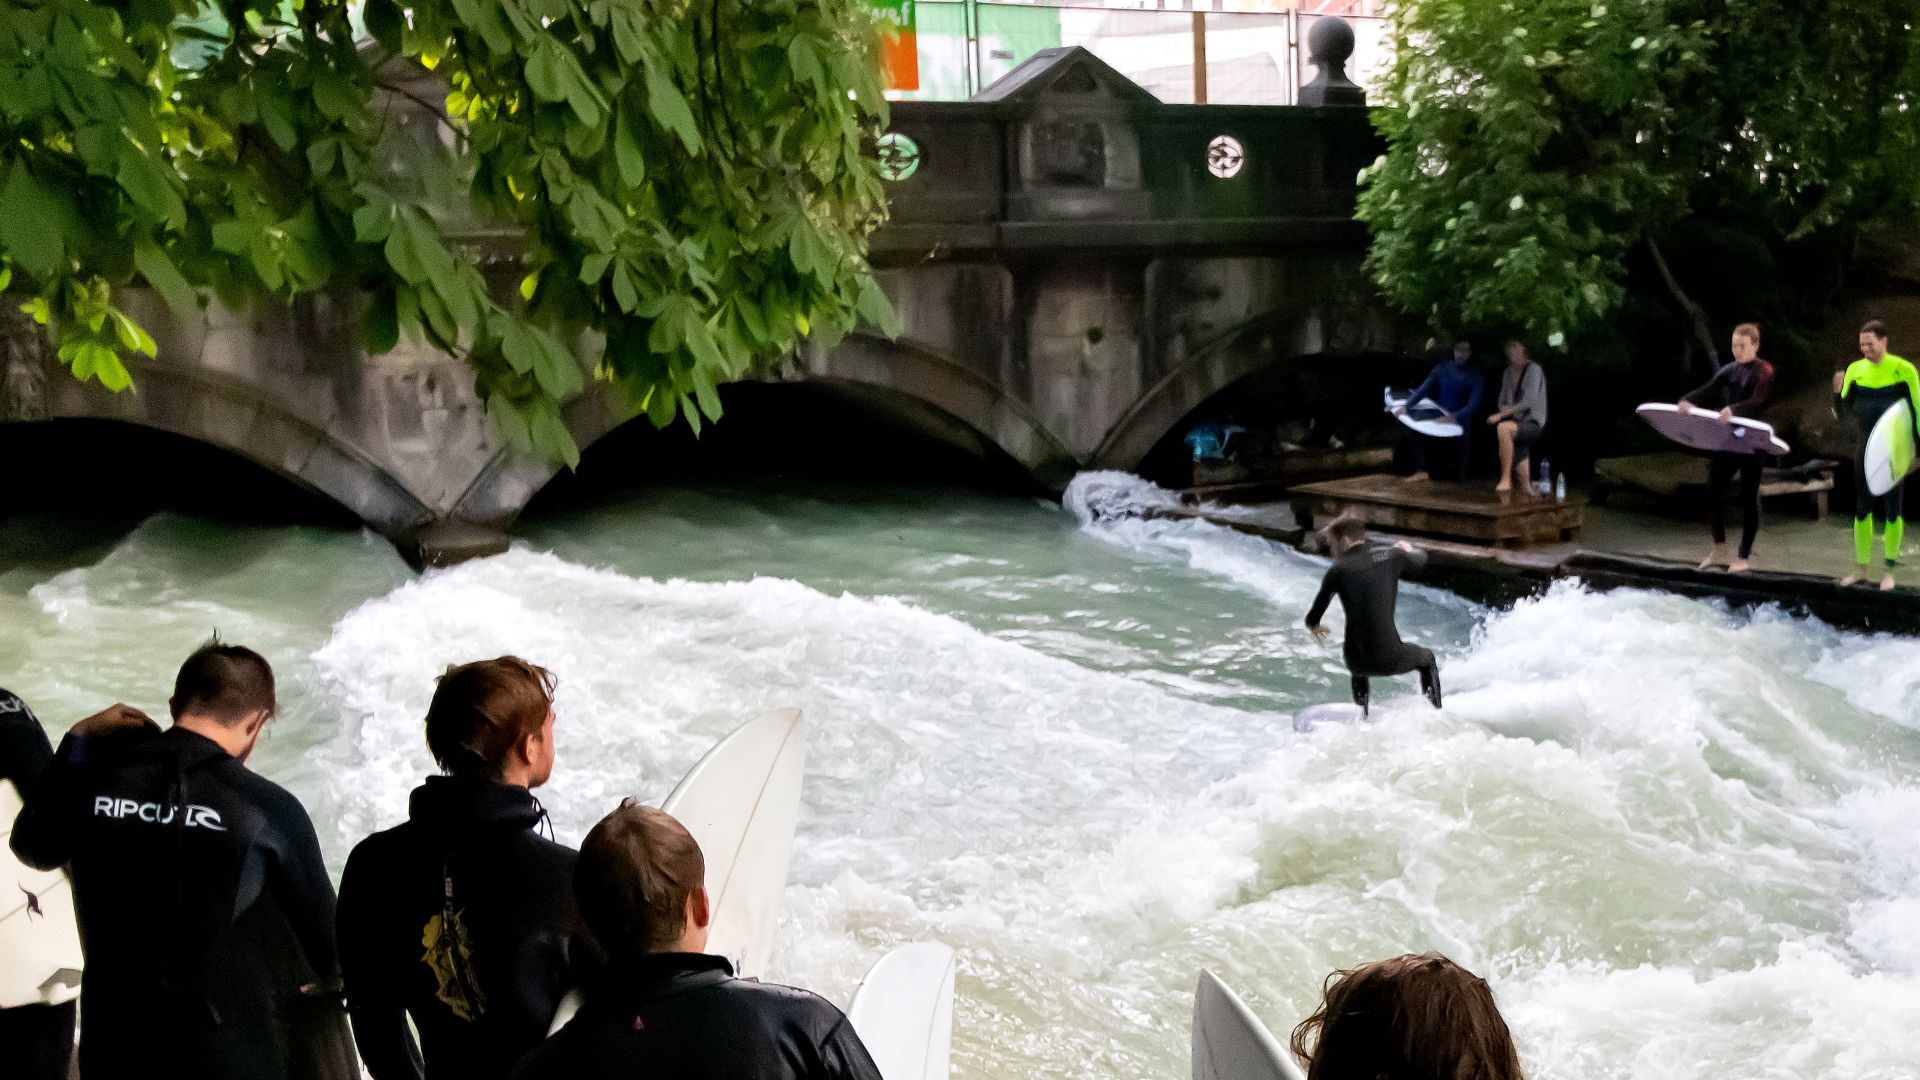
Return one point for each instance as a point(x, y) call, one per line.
point(463, 917)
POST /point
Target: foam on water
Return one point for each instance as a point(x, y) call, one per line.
point(1678, 840)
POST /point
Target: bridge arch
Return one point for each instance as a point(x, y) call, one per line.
point(232, 415)
point(1242, 351)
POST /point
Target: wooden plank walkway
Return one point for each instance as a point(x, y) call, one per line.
point(1467, 512)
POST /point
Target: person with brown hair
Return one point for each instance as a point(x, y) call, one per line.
point(1367, 581)
point(205, 911)
point(663, 1007)
point(1409, 1018)
point(1741, 387)
point(463, 917)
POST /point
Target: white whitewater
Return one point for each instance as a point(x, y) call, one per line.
point(1679, 841)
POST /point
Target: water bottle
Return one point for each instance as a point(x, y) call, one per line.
point(1560, 488)
point(1546, 477)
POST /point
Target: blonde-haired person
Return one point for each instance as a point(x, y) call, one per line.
point(1412, 1017)
point(462, 918)
point(1741, 387)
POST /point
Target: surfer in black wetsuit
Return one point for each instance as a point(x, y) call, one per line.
point(1740, 388)
point(664, 1008)
point(1367, 580)
point(204, 906)
point(469, 876)
point(37, 1037)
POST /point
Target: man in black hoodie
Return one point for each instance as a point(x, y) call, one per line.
point(203, 903)
point(463, 917)
point(663, 1009)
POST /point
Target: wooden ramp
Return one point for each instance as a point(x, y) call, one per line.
point(1467, 512)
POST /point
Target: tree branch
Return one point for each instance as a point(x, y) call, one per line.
point(1694, 312)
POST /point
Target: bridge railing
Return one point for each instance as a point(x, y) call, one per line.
point(1181, 57)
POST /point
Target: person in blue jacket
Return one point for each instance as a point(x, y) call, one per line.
point(1455, 386)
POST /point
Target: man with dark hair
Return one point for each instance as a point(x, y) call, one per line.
point(468, 876)
point(1367, 580)
point(1455, 386)
point(663, 1008)
point(37, 1033)
point(1741, 387)
point(203, 902)
point(1869, 387)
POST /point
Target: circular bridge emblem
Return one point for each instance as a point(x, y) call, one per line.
point(1225, 156)
point(899, 156)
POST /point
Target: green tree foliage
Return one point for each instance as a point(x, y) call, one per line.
point(1534, 146)
point(686, 182)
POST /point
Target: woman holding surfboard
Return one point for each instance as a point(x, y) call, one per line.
point(1871, 386)
point(1740, 388)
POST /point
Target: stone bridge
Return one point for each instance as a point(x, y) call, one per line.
point(1077, 265)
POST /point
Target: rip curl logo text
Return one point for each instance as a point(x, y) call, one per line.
point(198, 817)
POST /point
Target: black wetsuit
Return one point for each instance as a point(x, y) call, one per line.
point(1744, 388)
point(202, 900)
point(1367, 580)
point(477, 1008)
point(38, 1039)
point(683, 1016)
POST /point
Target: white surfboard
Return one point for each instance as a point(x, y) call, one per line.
point(1424, 417)
point(40, 959)
point(741, 802)
point(1888, 452)
point(1702, 429)
point(903, 1012)
point(1230, 1043)
point(1336, 712)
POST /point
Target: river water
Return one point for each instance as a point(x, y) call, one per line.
point(1680, 842)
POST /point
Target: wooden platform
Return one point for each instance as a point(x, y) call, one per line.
point(1467, 512)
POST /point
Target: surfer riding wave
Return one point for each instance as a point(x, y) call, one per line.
point(1367, 580)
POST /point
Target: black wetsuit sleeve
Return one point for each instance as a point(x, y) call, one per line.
point(25, 752)
point(297, 875)
point(1320, 602)
point(844, 1057)
point(43, 834)
point(1411, 562)
point(373, 995)
point(1713, 393)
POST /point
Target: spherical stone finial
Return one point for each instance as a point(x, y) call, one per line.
point(1330, 41)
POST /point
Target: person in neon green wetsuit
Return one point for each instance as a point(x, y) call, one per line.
point(1868, 388)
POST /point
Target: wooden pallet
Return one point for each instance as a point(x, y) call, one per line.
point(1468, 512)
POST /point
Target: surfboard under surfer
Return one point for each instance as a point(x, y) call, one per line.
point(1367, 581)
point(1742, 387)
point(1867, 388)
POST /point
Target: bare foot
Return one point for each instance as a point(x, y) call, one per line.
point(1886, 583)
point(1713, 556)
point(1739, 566)
point(1850, 581)
point(1418, 478)
point(1503, 487)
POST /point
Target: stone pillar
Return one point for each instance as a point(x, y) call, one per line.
point(1329, 47)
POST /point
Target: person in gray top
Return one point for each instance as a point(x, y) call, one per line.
point(1522, 415)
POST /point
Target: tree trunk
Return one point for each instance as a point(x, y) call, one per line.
point(1694, 312)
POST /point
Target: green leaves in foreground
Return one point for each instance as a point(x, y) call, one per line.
point(687, 182)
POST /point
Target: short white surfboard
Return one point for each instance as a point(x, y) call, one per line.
point(39, 939)
point(903, 1012)
point(1230, 1043)
point(741, 802)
